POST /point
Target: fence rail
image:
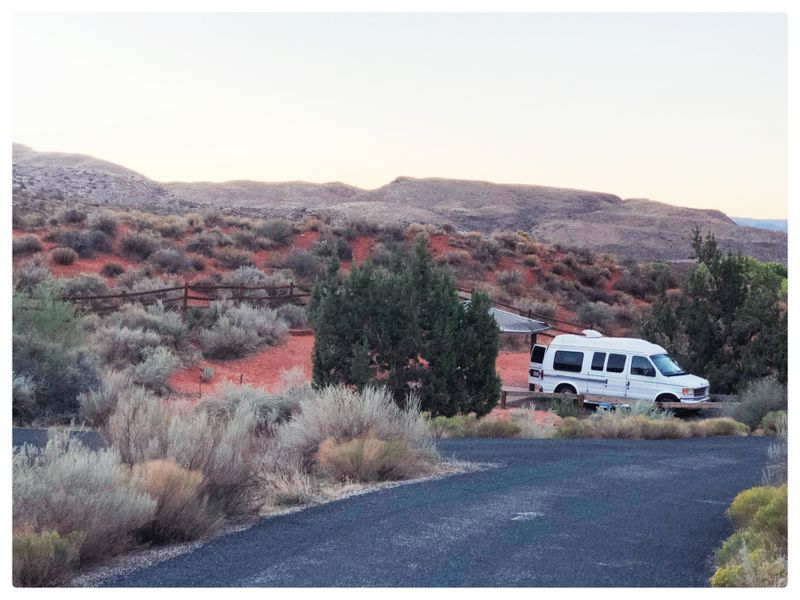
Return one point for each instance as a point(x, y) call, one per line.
point(274, 295)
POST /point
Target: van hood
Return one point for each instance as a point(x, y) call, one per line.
point(688, 381)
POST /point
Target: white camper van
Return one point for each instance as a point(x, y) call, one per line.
point(619, 367)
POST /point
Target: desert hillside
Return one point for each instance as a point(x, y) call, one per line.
point(634, 228)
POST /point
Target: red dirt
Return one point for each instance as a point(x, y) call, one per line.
point(439, 244)
point(305, 239)
point(262, 369)
point(362, 246)
point(513, 368)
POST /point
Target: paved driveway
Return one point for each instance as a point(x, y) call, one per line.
point(553, 513)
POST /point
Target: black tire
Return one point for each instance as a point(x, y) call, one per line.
point(667, 398)
point(566, 389)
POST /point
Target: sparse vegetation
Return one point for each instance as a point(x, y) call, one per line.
point(63, 256)
point(27, 244)
point(139, 246)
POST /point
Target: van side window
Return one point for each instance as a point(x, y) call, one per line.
point(537, 354)
point(641, 366)
point(616, 363)
point(568, 361)
point(598, 360)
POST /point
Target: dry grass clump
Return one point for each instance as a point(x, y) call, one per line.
point(718, 427)
point(181, 513)
point(757, 399)
point(530, 428)
point(26, 244)
point(44, 559)
point(104, 221)
point(63, 256)
point(370, 459)
point(343, 414)
point(68, 488)
point(97, 405)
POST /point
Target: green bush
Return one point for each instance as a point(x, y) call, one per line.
point(755, 555)
point(155, 369)
point(44, 558)
point(241, 330)
point(296, 316)
point(71, 214)
point(717, 427)
point(564, 406)
point(104, 221)
point(302, 263)
point(31, 273)
point(170, 260)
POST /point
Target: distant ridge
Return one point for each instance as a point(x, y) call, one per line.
point(634, 228)
point(768, 224)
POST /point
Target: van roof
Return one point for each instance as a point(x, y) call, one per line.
point(607, 343)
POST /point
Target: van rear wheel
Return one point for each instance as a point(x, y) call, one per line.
point(566, 389)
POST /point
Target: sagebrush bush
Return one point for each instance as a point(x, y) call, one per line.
point(457, 426)
point(172, 227)
point(269, 410)
point(289, 485)
point(168, 324)
point(512, 281)
point(302, 263)
point(121, 346)
point(343, 414)
point(202, 243)
point(564, 407)
point(44, 559)
point(595, 315)
point(207, 374)
point(181, 512)
point(278, 230)
point(757, 399)
point(155, 369)
point(63, 256)
point(96, 405)
point(139, 246)
point(68, 488)
point(170, 260)
point(231, 258)
point(104, 221)
point(26, 244)
point(138, 426)
point(85, 284)
point(369, 459)
point(241, 330)
point(331, 245)
point(31, 273)
point(296, 316)
point(71, 214)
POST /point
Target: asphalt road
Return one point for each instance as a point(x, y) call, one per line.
point(554, 513)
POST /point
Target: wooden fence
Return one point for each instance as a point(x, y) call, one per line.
point(190, 294)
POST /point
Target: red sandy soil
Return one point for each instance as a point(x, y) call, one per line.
point(439, 244)
point(362, 246)
point(512, 367)
point(262, 369)
point(305, 239)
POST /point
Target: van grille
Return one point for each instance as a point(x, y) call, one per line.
point(700, 392)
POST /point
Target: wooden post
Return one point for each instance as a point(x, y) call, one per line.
point(185, 303)
point(579, 402)
point(241, 293)
point(291, 290)
point(503, 399)
point(124, 297)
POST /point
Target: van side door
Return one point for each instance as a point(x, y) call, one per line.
point(641, 379)
point(596, 378)
point(616, 375)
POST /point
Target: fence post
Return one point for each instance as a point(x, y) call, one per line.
point(291, 290)
point(241, 293)
point(124, 297)
point(185, 295)
point(503, 399)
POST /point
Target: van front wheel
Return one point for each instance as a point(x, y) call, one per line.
point(566, 389)
point(667, 398)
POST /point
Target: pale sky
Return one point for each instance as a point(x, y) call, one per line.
point(688, 109)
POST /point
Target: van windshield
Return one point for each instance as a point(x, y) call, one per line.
point(667, 365)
